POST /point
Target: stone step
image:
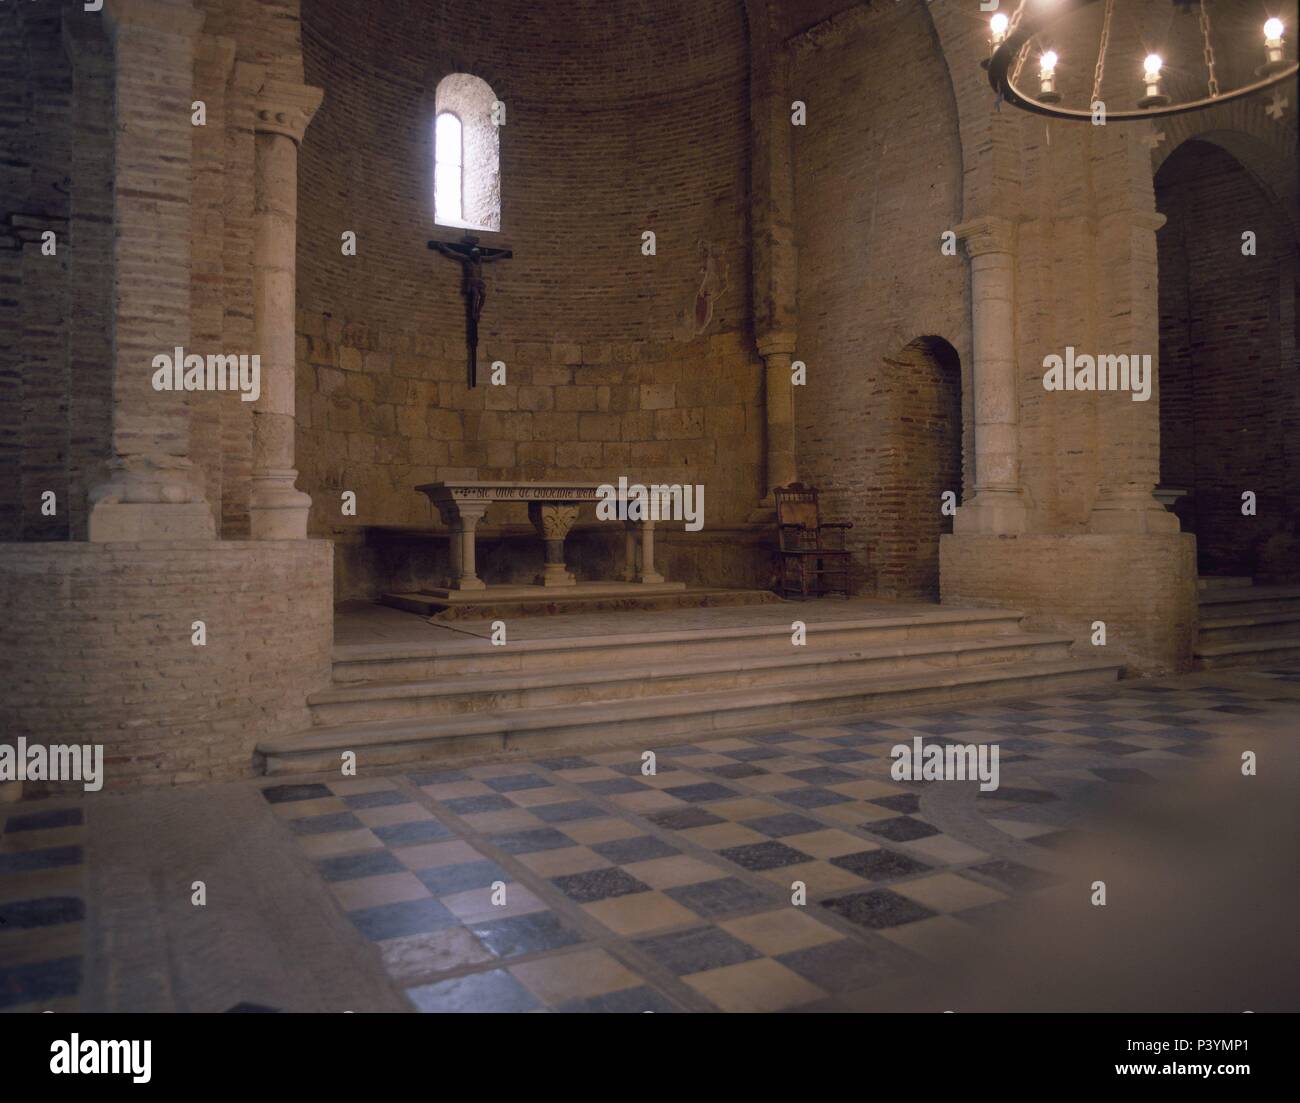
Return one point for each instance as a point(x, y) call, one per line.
point(1222, 582)
point(645, 720)
point(1251, 601)
point(1251, 652)
point(617, 679)
point(473, 654)
point(1262, 626)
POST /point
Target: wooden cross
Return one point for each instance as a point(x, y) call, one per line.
point(471, 256)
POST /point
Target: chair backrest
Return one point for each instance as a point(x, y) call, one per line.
point(796, 504)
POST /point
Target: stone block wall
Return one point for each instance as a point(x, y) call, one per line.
point(118, 617)
point(1143, 587)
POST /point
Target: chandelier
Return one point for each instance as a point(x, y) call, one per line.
point(1036, 24)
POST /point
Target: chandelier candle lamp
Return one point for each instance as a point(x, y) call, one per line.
point(1012, 38)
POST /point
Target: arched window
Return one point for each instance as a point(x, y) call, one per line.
point(448, 171)
point(466, 150)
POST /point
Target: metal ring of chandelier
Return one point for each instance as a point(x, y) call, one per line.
point(1017, 37)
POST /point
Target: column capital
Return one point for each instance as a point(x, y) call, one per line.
point(776, 344)
point(285, 108)
point(176, 17)
point(988, 235)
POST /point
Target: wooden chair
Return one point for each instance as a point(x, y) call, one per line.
point(813, 558)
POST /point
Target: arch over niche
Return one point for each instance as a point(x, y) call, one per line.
point(1227, 365)
point(925, 450)
point(470, 101)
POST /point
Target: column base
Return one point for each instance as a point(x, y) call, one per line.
point(991, 513)
point(1130, 510)
point(555, 574)
point(135, 522)
point(466, 584)
point(277, 510)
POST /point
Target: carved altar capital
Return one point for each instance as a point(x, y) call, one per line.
point(285, 108)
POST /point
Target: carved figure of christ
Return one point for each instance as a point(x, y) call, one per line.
point(471, 256)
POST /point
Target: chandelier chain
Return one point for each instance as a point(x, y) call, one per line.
point(1209, 51)
point(1013, 23)
point(1101, 50)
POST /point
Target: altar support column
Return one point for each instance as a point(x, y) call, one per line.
point(277, 509)
point(648, 572)
point(151, 491)
point(462, 517)
point(553, 523)
point(997, 506)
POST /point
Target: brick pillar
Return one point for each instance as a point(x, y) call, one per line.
point(1130, 305)
point(997, 506)
point(151, 492)
point(277, 509)
point(775, 271)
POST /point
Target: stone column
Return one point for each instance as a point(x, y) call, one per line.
point(777, 351)
point(462, 518)
point(629, 551)
point(997, 506)
point(1130, 437)
point(553, 522)
point(648, 572)
point(277, 509)
point(151, 492)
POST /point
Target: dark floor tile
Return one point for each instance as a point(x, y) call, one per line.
point(48, 911)
point(483, 802)
point(515, 782)
point(43, 821)
point(525, 934)
point(841, 966)
point(642, 848)
point(725, 896)
point(906, 803)
point(413, 833)
point(404, 918)
point(681, 819)
point(566, 762)
point(45, 980)
point(448, 880)
point(532, 840)
point(825, 775)
point(598, 884)
point(1014, 876)
point(1238, 710)
point(902, 829)
point(630, 1001)
point(280, 794)
point(493, 992)
point(1123, 775)
point(754, 754)
point(879, 865)
point(813, 797)
point(703, 791)
point(783, 823)
point(772, 737)
point(877, 909)
point(844, 754)
point(1111, 746)
point(27, 861)
point(382, 798)
point(324, 825)
point(696, 950)
point(736, 769)
point(437, 777)
point(567, 811)
point(759, 856)
point(369, 863)
point(1019, 796)
point(612, 786)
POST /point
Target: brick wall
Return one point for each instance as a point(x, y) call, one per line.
point(119, 616)
point(1229, 388)
point(871, 203)
point(615, 125)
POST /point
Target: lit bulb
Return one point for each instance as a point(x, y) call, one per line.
point(1273, 29)
point(998, 25)
point(1152, 66)
point(1047, 63)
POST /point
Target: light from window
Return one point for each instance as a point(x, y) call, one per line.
point(448, 170)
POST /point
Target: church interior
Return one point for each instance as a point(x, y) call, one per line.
point(649, 505)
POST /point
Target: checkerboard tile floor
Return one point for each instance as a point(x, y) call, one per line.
point(42, 909)
point(576, 882)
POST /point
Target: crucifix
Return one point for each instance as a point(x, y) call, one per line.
point(472, 256)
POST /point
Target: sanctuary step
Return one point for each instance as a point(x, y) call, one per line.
point(610, 679)
point(1243, 624)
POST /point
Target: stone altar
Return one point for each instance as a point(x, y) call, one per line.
point(552, 508)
